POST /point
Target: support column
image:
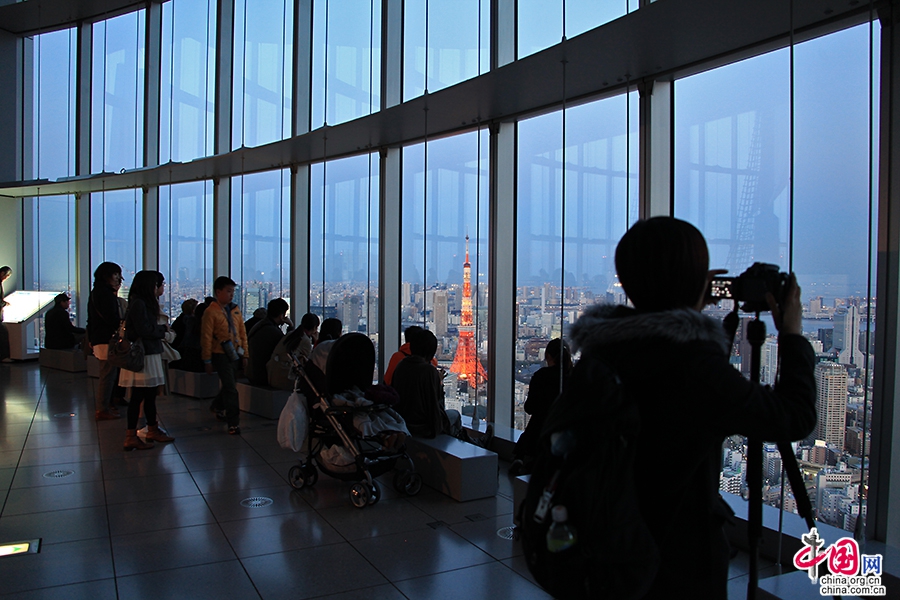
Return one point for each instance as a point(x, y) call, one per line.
point(389, 252)
point(503, 32)
point(83, 242)
point(152, 75)
point(299, 231)
point(391, 53)
point(882, 523)
point(656, 144)
point(222, 136)
point(302, 66)
point(502, 310)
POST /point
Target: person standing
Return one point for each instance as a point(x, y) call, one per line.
point(142, 324)
point(223, 344)
point(104, 316)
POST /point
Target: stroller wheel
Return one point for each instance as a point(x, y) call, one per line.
point(413, 484)
point(375, 493)
point(359, 495)
point(401, 478)
point(297, 477)
point(312, 474)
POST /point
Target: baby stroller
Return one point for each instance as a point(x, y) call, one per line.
point(339, 447)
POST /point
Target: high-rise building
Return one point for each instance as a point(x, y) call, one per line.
point(831, 403)
point(351, 310)
point(846, 336)
point(440, 313)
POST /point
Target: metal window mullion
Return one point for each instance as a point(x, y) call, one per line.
point(655, 193)
point(152, 87)
point(299, 232)
point(502, 275)
point(83, 242)
point(503, 32)
point(222, 135)
point(389, 254)
point(302, 67)
point(391, 53)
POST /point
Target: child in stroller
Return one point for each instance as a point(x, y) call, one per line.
point(353, 433)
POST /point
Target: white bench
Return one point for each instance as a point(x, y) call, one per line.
point(64, 360)
point(195, 385)
point(460, 470)
point(263, 401)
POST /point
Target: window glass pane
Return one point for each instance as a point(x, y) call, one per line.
point(540, 22)
point(566, 238)
point(263, 51)
point(449, 37)
point(185, 243)
point(54, 105)
point(445, 201)
point(260, 240)
point(733, 177)
point(346, 60)
point(117, 93)
point(344, 243)
point(53, 248)
point(187, 80)
point(117, 231)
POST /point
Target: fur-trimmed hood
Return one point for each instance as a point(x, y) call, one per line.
point(606, 324)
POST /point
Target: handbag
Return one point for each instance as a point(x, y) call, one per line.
point(125, 354)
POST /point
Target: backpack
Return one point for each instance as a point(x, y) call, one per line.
point(586, 463)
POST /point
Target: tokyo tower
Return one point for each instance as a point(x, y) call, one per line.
point(466, 364)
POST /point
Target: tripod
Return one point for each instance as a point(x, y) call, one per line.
point(756, 336)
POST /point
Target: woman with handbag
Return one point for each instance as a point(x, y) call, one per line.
point(142, 327)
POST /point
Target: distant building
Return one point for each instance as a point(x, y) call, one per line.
point(846, 336)
point(831, 403)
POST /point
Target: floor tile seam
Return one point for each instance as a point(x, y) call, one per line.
point(22, 451)
point(17, 593)
point(152, 571)
point(109, 535)
point(445, 571)
point(315, 546)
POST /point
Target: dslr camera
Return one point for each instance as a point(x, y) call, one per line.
point(750, 287)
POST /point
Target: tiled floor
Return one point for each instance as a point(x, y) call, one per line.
point(168, 522)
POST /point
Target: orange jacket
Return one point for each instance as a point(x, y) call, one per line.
point(396, 358)
point(214, 330)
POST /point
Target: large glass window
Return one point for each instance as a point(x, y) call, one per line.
point(445, 42)
point(263, 51)
point(343, 269)
point(117, 225)
point(542, 23)
point(260, 240)
point(346, 60)
point(804, 199)
point(185, 243)
point(117, 93)
point(576, 196)
point(187, 81)
point(444, 270)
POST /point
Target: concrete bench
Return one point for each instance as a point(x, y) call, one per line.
point(64, 360)
point(263, 401)
point(93, 366)
point(460, 470)
point(195, 385)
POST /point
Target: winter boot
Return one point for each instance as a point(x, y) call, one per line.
point(133, 442)
point(157, 435)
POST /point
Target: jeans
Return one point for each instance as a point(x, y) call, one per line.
point(227, 397)
point(109, 375)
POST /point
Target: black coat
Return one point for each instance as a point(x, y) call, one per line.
point(103, 314)
point(139, 323)
point(542, 391)
point(421, 392)
point(262, 340)
point(675, 366)
point(59, 332)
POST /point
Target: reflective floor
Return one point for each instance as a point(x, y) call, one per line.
point(169, 522)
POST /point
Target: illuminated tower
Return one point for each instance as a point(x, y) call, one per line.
point(466, 364)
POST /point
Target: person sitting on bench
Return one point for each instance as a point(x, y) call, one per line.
point(59, 332)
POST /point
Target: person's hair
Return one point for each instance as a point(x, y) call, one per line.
point(222, 282)
point(331, 329)
point(209, 300)
point(5, 270)
point(143, 288)
point(309, 321)
point(160, 279)
point(104, 272)
point(275, 308)
point(423, 344)
point(662, 264)
point(189, 306)
point(60, 298)
point(553, 349)
point(410, 332)
point(351, 362)
point(198, 317)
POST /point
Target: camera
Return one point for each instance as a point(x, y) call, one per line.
point(750, 287)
